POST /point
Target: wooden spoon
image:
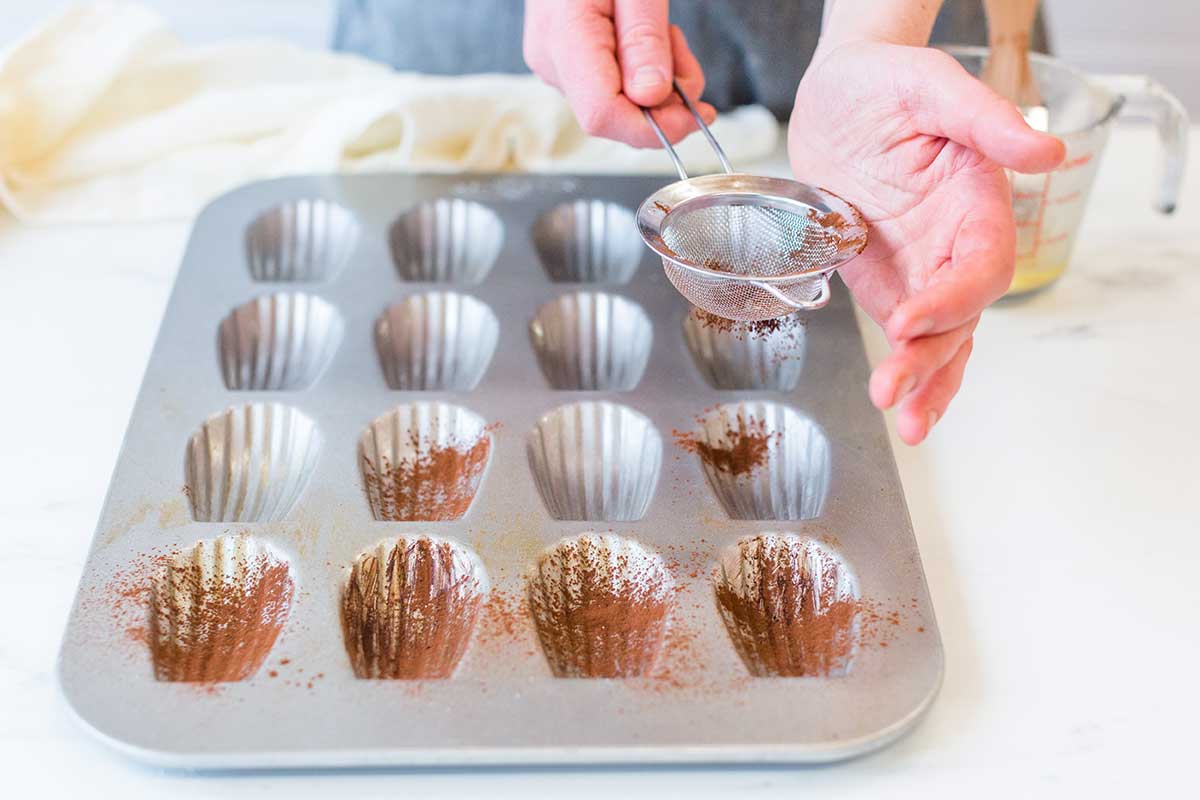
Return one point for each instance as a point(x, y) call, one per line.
point(1007, 69)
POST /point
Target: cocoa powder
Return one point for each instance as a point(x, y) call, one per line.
point(503, 620)
point(209, 626)
point(412, 615)
point(125, 597)
point(792, 324)
point(597, 619)
point(850, 235)
point(789, 622)
point(438, 483)
point(743, 447)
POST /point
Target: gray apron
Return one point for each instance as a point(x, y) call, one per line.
point(752, 51)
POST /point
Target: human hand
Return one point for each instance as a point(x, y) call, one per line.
point(611, 56)
point(920, 147)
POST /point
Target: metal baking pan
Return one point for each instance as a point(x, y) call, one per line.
point(268, 438)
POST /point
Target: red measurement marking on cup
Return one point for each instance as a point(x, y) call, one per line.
point(1075, 163)
point(1043, 199)
point(1041, 217)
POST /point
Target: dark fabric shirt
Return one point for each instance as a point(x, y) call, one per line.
point(752, 51)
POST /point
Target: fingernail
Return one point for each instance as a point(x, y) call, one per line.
point(648, 76)
point(907, 385)
point(933, 418)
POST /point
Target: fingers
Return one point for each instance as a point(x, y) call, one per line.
point(913, 363)
point(644, 50)
point(677, 122)
point(691, 79)
point(577, 47)
point(945, 100)
point(687, 67)
point(980, 271)
point(922, 409)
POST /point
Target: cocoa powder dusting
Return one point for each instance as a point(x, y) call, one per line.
point(409, 616)
point(503, 615)
point(598, 615)
point(504, 625)
point(787, 620)
point(209, 624)
point(438, 483)
point(850, 235)
point(791, 324)
point(125, 597)
point(744, 446)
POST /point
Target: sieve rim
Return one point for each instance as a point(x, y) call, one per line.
point(780, 192)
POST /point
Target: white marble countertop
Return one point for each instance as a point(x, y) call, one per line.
point(1056, 508)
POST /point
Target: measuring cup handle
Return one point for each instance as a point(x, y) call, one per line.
point(1145, 98)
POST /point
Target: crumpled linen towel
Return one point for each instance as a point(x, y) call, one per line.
point(105, 115)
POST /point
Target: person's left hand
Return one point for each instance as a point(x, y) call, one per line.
point(919, 146)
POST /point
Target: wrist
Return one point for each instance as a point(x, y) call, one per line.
point(901, 22)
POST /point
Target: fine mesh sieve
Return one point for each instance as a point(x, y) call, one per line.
point(746, 247)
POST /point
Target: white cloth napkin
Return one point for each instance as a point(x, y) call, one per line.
point(104, 115)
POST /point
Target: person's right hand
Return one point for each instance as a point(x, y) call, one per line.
point(609, 57)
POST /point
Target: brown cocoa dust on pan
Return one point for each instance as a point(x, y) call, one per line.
point(744, 446)
point(791, 325)
point(409, 615)
point(209, 627)
point(681, 665)
point(438, 483)
point(125, 597)
point(504, 623)
point(599, 615)
point(790, 622)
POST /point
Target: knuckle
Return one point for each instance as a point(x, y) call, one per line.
point(936, 59)
point(642, 37)
point(593, 120)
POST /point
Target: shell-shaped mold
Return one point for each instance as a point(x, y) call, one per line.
point(446, 241)
point(601, 605)
point(436, 341)
point(217, 609)
point(790, 605)
point(588, 241)
point(278, 342)
point(592, 341)
point(250, 463)
point(424, 461)
point(409, 608)
point(766, 355)
point(764, 461)
point(595, 461)
point(304, 240)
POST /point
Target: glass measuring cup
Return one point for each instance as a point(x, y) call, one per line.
point(1048, 208)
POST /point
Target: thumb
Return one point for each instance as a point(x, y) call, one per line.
point(948, 101)
point(644, 50)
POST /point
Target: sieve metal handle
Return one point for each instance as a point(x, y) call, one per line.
point(662, 137)
point(820, 301)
